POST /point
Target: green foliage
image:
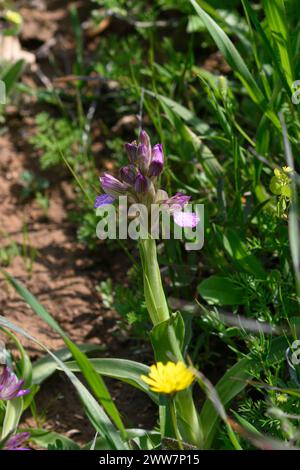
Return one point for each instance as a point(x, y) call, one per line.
point(130, 305)
point(222, 291)
point(216, 84)
point(56, 136)
point(8, 253)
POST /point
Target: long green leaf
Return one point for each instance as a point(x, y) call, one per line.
point(94, 411)
point(236, 62)
point(121, 369)
point(11, 75)
point(45, 366)
point(277, 22)
point(210, 164)
point(97, 384)
point(231, 54)
point(220, 290)
point(93, 378)
point(182, 112)
point(13, 413)
point(267, 44)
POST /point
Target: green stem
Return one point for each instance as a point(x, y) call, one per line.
point(174, 422)
point(153, 289)
point(159, 312)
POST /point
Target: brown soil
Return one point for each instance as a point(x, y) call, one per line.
point(64, 275)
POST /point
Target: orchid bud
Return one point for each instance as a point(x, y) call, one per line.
point(141, 184)
point(131, 150)
point(128, 174)
point(145, 139)
point(112, 185)
point(143, 157)
point(157, 161)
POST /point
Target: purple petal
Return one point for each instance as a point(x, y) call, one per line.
point(23, 392)
point(186, 219)
point(141, 184)
point(10, 385)
point(14, 442)
point(103, 200)
point(112, 185)
point(4, 376)
point(131, 150)
point(157, 161)
point(176, 202)
point(143, 157)
point(178, 199)
point(144, 138)
point(128, 174)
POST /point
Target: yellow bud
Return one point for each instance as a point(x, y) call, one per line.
point(223, 85)
point(281, 398)
point(281, 182)
point(13, 17)
point(287, 169)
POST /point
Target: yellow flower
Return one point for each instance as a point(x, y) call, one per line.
point(281, 182)
point(287, 169)
point(13, 17)
point(281, 398)
point(169, 378)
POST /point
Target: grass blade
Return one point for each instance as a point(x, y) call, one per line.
point(236, 62)
point(94, 380)
point(267, 45)
point(95, 412)
point(277, 22)
point(45, 366)
point(121, 369)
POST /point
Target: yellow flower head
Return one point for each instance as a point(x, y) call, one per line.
point(281, 398)
point(281, 182)
point(13, 17)
point(169, 378)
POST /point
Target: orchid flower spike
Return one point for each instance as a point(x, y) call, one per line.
point(139, 181)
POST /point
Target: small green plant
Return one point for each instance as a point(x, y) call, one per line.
point(56, 137)
point(8, 253)
point(12, 249)
point(35, 186)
